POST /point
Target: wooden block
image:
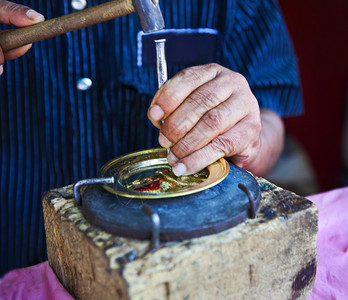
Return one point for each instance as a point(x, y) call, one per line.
point(270, 257)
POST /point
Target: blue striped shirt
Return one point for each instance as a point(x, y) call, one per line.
point(52, 134)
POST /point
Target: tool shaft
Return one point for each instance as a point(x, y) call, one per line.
point(162, 74)
point(26, 35)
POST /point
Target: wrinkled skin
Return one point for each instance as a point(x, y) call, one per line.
point(208, 112)
point(21, 16)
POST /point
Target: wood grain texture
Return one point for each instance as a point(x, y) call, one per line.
point(90, 16)
point(270, 257)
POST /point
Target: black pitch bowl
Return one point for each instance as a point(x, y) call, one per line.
point(204, 212)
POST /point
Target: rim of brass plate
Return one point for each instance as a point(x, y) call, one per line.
point(119, 167)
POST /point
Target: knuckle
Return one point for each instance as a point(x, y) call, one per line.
point(213, 67)
point(170, 129)
point(165, 92)
point(203, 97)
point(12, 7)
point(176, 128)
point(224, 145)
point(169, 125)
point(190, 74)
point(182, 149)
point(238, 79)
point(11, 10)
point(254, 125)
point(213, 119)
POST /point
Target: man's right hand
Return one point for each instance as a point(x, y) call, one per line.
point(21, 16)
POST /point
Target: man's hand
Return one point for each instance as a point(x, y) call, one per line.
point(18, 15)
point(208, 112)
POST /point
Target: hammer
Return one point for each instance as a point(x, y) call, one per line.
point(148, 12)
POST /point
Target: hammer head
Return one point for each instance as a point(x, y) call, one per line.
point(150, 15)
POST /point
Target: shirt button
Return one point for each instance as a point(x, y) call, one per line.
point(84, 84)
point(78, 4)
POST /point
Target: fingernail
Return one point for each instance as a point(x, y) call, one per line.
point(172, 159)
point(156, 113)
point(34, 15)
point(1, 69)
point(179, 169)
point(164, 142)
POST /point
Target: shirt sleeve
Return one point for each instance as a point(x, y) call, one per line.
point(258, 46)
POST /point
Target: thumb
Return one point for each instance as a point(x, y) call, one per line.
point(18, 15)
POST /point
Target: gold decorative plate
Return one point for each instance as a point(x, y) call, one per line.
point(147, 174)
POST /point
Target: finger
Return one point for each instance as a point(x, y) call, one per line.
point(215, 122)
point(177, 89)
point(235, 142)
point(201, 100)
point(18, 15)
point(12, 54)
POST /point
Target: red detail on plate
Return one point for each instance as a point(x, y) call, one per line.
point(153, 185)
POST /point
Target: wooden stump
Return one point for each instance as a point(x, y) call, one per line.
point(270, 257)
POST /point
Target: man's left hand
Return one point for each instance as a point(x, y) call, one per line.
point(205, 113)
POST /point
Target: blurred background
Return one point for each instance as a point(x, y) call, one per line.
point(315, 157)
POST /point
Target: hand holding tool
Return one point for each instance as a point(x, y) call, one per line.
point(148, 12)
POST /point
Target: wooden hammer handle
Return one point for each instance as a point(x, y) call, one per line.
point(90, 16)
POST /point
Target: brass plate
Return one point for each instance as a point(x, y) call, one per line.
point(145, 163)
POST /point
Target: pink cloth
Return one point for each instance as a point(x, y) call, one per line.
point(331, 281)
point(34, 283)
point(39, 281)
